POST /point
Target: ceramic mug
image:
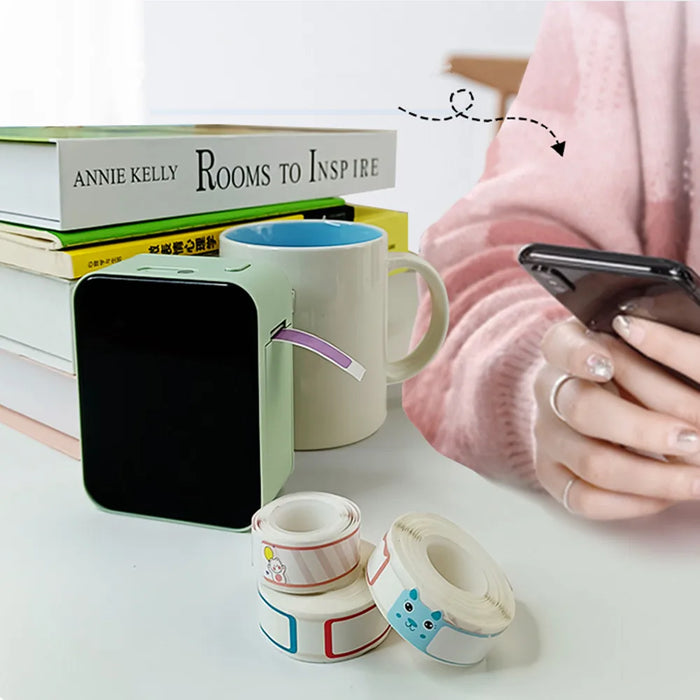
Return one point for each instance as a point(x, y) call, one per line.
point(339, 273)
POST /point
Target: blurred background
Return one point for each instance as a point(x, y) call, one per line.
point(325, 63)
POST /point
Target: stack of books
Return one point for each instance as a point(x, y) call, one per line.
point(75, 199)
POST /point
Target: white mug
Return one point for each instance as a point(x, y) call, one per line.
point(339, 273)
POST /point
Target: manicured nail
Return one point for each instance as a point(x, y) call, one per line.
point(599, 366)
point(629, 329)
point(622, 325)
point(687, 440)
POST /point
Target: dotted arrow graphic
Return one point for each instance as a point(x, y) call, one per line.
point(558, 146)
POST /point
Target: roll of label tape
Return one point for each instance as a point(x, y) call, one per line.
point(332, 626)
point(439, 589)
point(307, 542)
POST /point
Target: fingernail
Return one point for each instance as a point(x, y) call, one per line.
point(687, 440)
point(622, 325)
point(695, 488)
point(599, 366)
point(630, 330)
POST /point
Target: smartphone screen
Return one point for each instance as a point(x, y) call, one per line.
point(168, 390)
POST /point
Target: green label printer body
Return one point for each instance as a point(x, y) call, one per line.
point(186, 404)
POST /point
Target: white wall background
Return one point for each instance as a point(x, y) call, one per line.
point(71, 62)
point(341, 63)
point(346, 63)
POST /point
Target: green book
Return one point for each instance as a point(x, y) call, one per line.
point(49, 239)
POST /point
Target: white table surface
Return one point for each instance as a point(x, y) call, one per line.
point(99, 606)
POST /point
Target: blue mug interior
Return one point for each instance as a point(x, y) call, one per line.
point(303, 234)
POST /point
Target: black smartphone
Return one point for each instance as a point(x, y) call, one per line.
point(598, 285)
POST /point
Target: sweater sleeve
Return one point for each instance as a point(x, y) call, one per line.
point(474, 402)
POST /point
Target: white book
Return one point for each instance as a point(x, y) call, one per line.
point(40, 392)
point(67, 178)
point(36, 316)
point(62, 364)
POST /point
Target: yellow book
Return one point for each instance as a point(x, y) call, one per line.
point(72, 263)
point(395, 223)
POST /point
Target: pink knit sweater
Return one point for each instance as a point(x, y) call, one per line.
point(620, 83)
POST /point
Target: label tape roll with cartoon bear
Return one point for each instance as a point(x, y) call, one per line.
point(439, 589)
point(307, 542)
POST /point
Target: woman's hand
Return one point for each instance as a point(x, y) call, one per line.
point(589, 455)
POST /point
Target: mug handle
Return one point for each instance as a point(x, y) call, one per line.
point(430, 343)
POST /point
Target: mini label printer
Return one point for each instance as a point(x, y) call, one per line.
point(186, 404)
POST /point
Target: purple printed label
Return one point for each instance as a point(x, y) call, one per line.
point(321, 347)
point(316, 344)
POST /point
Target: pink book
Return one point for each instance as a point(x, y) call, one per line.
point(40, 432)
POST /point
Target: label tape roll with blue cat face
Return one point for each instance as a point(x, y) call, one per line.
point(439, 589)
point(332, 626)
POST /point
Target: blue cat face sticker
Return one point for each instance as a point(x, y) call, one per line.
point(413, 620)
